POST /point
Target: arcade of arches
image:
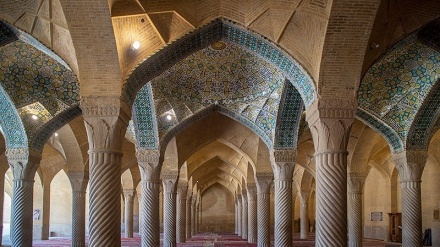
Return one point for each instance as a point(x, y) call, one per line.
point(258, 117)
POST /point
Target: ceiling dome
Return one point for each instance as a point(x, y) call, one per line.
point(222, 73)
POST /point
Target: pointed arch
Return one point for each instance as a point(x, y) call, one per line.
point(219, 29)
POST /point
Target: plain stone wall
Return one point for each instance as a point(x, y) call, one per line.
point(431, 199)
point(218, 209)
point(377, 198)
point(61, 206)
point(38, 204)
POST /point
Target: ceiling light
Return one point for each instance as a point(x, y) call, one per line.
point(34, 117)
point(56, 134)
point(136, 45)
point(169, 117)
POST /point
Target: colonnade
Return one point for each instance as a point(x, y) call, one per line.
point(106, 119)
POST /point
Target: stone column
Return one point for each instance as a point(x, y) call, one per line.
point(181, 213)
point(129, 199)
point(193, 215)
point(149, 167)
point(46, 210)
point(3, 169)
point(330, 123)
point(139, 197)
point(78, 181)
point(410, 165)
point(355, 186)
point(252, 213)
point(263, 209)
point(106, 120)
point(24, 164)
point(188, 217)
point(198, 214)
point(244, 214)
point(239, 216)
point(236, 216)
point(169, 182)
point(304, 213)
point(283, 178)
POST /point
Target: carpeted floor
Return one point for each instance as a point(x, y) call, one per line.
point(202, 240)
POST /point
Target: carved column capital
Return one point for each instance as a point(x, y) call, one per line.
point(410, 164)
point(129, 193)
point(330, 123)
point(169, 182)
point(23, 162)
point(182, 190)
point(331, 109)
point(105, 106)
point(78, 180)
point(284, 155)
point(244, 195)
point(304, 196)
point(252, 192)
point(239, 199)
point(149, 164)
point(264, 181)
point(355, 183)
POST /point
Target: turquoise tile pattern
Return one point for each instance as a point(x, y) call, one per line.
point(144, 120)
point(219, 29)
point(289, 117)
point(37, 82)
point(393, 89)
point(238, 83)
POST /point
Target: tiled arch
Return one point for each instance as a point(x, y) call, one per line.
point(149, 128)
point(426, 122)
point(394, 88)
point(219, 29)
point(387, 132)
point(289, 117)
point(12, 127)
point(144, 119)
point(38, 82)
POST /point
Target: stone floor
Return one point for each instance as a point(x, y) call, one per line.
point(202, 240)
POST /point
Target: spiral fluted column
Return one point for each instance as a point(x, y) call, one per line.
point(23, 163)
point(411, 214)
point(181, 214)
point(193, 216)
point(239, 217)
point(104, 203)
point(188, 217)
point(410, 165)
point(21, 233)
point(149, 167)
point(45, 212)
point(106, 120)
point(169, 182)
point(198, 215)
point(236, 216)
point(355, 186)
point(129, 199)
point(139, 197)
point(252, 213)
point(283, 178)
point(244, 215)
point(330, 122)
point(78, 180)
point(3, 170)
point(331, 199)
point(263, 209)
point(304, 214)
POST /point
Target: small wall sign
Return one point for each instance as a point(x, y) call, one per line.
point(376, 216)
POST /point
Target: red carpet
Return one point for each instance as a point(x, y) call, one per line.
point(200, 240)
